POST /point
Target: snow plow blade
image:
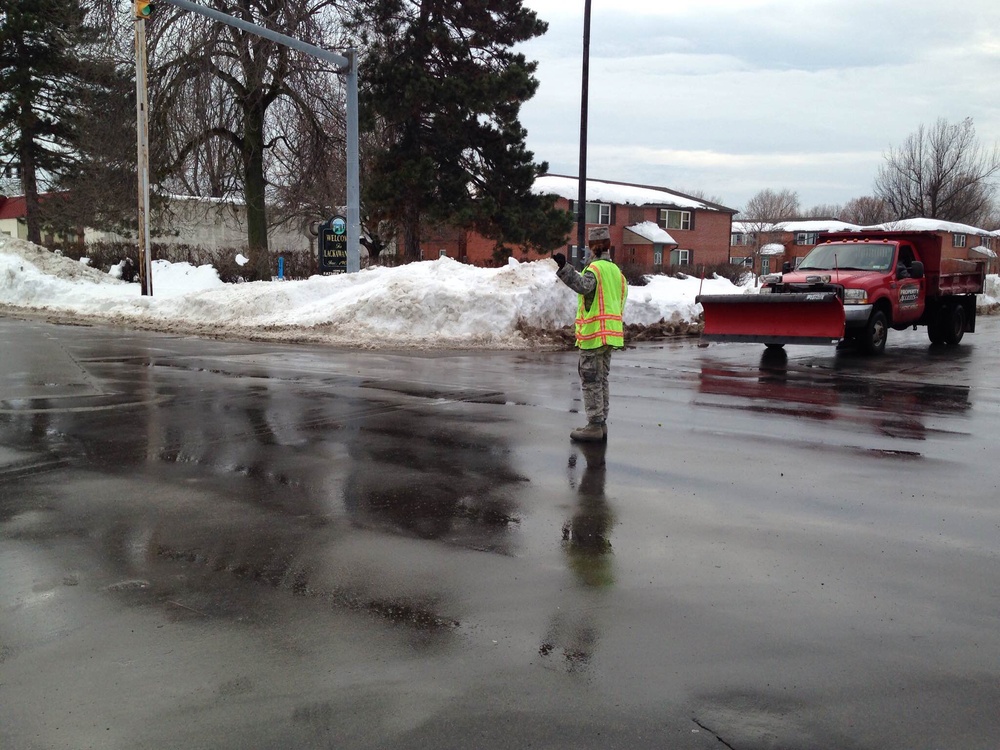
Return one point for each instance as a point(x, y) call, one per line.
point(801, 318)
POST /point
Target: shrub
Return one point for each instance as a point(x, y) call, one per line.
point(634, 274)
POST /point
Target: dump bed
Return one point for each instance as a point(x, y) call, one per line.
point(942, 275)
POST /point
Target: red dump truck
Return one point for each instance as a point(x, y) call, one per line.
point(855, 285)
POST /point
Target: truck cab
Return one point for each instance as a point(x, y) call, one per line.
point(869, 277)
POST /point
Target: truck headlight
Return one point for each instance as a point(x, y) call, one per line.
point(855, 297)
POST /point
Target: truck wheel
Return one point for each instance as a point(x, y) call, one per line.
point(935, 328)
point(876, 331)
point(954, 326)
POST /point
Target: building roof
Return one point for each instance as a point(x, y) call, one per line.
point(621, 193)
point(12, 208)
point(798, 225)
point(816, 225)
point(927, 225)
point(650, 230)
point(16, 207)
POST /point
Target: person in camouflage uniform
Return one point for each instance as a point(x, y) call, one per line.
point(599, 328)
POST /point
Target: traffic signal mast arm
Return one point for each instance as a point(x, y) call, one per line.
point(346, 66)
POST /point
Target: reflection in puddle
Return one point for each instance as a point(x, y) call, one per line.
point(256, 476)
point(885, 407)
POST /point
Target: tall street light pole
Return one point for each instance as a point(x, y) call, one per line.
point(581, 204)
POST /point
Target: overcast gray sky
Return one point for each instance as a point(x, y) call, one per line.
point(732, 96)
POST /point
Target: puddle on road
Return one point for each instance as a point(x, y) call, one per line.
point(893, 408)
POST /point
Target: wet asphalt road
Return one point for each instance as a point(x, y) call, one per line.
point(211, 544)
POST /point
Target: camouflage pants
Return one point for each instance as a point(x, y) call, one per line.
point(594, 367)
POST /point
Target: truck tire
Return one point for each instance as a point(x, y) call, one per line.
point(872, 339)
point(954, 324)
point(936, 326)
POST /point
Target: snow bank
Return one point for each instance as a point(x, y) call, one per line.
point(439, 303)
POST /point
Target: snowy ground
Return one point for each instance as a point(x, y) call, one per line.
point(438, 303)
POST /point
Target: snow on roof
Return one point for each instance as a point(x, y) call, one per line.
point(773, 249)
point(816, 225)
point(983, 250)
point(806, 225)
point(749, 227)
point(650, 230)
point(227, 201)
point(927, 225)
point(610, 192)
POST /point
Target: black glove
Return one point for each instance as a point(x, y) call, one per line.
point(560, 260)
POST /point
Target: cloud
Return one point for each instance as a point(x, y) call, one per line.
point(731, 97)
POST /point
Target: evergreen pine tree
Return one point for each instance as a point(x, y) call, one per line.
point(39, 92)
point(441, 78)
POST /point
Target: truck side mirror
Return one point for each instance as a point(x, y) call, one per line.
point(786, 267)
point(917, 269)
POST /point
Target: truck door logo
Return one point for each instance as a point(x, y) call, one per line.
point(908, 295)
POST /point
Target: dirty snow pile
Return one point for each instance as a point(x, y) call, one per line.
point(439, 303)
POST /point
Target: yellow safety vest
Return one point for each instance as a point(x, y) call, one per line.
point(601, 325)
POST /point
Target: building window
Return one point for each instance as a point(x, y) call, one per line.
point(958, 240)
point(745, 261)
point(597, 213)
point(806, 238)
point(680, 257)
point(442, 253)
point(670, 219)
point(737, 238)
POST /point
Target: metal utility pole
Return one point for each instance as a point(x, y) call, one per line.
point(346, 66)
point(143, 9)
point(581, 205)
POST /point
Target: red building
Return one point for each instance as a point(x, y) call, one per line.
point(652, 228)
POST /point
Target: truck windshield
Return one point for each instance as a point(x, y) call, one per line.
point(860, 256)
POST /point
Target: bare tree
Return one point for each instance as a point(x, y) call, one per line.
point(221, 100)
point(772, 206)
point(823, 211)
point(762, 212)
point(866, 210)
point(940, 172)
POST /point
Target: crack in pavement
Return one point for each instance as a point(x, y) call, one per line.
point(713, 733)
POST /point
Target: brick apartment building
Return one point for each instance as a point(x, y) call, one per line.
point(652, 228)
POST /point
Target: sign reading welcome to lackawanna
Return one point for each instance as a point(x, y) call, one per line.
point(333, 245)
